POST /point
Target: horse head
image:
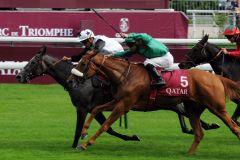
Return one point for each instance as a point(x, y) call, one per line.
point(84, 69)
point(202, 52)
point(35, 67)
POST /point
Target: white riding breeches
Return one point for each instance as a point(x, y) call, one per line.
point(165, 61)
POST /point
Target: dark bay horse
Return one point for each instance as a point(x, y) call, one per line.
point(85, 97)
point(131, 88)
point(225, 65)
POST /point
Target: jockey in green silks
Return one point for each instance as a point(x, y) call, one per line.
point(155, 52)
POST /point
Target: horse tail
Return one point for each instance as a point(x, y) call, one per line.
point(232, 89)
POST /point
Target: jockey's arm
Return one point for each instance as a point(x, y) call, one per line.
point(234, 53)
point(99, 45)
point(126, 53)
point(76, 58)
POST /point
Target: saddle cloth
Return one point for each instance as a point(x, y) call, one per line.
point(176, 85)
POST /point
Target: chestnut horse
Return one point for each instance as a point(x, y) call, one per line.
point(132, 87)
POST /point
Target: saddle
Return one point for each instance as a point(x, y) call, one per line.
point(176, 85)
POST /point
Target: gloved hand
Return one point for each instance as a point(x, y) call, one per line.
point(66, 58)
point(224, 50)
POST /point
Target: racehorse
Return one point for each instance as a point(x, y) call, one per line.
point(131, 88)
point(84, 97)
point(225, 65)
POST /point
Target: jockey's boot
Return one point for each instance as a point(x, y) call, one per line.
point(153, 71)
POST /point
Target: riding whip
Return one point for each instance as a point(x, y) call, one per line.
point(117, 31)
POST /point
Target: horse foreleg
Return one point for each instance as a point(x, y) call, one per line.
point(101, 119)
point(94, 112)
point(198, 133)
point(194, 118)
point(81, 116)
point(117, 112)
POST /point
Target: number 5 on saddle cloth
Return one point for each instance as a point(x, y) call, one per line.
point(176, 85)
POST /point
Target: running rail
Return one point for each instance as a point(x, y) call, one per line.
point(75, 40)
point(20, 65)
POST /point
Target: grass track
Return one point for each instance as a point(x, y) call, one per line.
point(37, 122)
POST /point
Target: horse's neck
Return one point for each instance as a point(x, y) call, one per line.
point(116, 69)
point(227, 66)
point(58, 70)
point(119, 70)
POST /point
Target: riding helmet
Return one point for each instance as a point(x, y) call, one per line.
point(229, 31)
point(85, 34)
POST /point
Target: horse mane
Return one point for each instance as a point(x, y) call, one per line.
point(213, 45)
point(60, 70)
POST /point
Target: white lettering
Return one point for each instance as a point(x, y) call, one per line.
point(46, 32)
point(2, 72)
point(184, 82)
point(9, 72)
point(4, 31)
point(41, 32)
point(168, 90)
point(31, 32)
point(24, 30)
point(49, 32)
point(176, 91)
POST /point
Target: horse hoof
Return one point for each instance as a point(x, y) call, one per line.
point(84, 135)
point(80, 148)
point(74, 146)
point(214, 126)
point(188, 131)
point(135, 138)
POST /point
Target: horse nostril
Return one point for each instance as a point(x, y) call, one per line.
point(70, 81)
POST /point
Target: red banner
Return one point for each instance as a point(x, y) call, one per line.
point(125, 4)
point(67, 24)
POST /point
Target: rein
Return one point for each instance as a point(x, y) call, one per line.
point(218, 54)
point(56, 63)
point(95, 67)
point(127, 73)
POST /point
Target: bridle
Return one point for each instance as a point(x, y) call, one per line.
point(203, 52)
point(29, 71)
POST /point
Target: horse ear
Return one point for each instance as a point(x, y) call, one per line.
point(205, 39)
point(43, 50)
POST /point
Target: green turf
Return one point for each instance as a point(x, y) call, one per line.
point(38, 122)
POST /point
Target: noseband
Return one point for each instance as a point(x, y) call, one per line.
point(29, 72)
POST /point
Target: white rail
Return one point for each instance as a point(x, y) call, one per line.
point(20, 65)
point(75, 40)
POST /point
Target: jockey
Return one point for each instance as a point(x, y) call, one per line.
point(97, 43)
point(155, 52)
point(232, 34)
